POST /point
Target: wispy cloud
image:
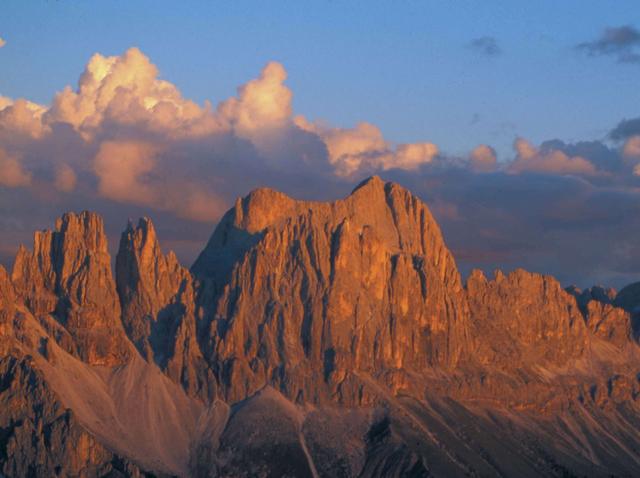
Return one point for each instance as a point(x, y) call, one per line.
point(2, 42)
point(621, 42)
point(486, 45)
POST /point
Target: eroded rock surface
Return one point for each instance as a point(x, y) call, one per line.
point(68, 277)
point(322, 289)
point(158, 308)
point(308, 339)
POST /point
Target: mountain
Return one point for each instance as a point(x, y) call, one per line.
point(308, 339)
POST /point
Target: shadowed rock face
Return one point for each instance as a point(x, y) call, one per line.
point(308, 339)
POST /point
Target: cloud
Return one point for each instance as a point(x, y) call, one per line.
point(11, 172)
point(262, 104)
point(126, 91)
point(120, 166)
point(65, 178)
point(22, 119)
point(2, 42)
point(132, 172)
point(126, 142)
point(620, 42)
point(625, 129)
point(631, 152)
point(363, 150)
point(483, 159)
point(547, 160)
point(486, 45)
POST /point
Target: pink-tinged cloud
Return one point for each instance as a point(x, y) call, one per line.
point(21, 119)
point(411, 156)
point(262, 104)
point(4, 102)
point(12, 174)
point(120, 103)
point(483, 159)
point(2, 42)
point(65, 178)
point(363, 149)
point(126, 90)
point(549, 161)
point(130, 172)
point(631, 148)
point(120, 166)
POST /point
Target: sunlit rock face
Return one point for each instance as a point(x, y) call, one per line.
point(158, 308)
point(68, 277)
point(523, 319)
point(322, 290)
point(308, 339)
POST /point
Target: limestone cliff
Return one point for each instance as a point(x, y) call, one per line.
point(524, 319)
point(68, 277)
point(321, 290)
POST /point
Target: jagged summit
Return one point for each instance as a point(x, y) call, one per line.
point(67, 281)
point(399, 218)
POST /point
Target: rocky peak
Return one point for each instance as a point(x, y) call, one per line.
point(142, 268)
point(147, 280)
point(68, 276)
point(324, 289)
point(629, 298)
point(401, 220)
point(158, 307)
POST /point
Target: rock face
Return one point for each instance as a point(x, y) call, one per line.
point(322, 290)
point(68, 277)
point(604, 317)
point(158, 308)
point(524, 318)
point(308, 339)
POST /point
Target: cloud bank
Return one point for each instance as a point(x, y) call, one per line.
point(126, 142)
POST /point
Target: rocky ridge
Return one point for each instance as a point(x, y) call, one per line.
point(340, 333)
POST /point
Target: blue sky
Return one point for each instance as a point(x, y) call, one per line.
point(405, 66)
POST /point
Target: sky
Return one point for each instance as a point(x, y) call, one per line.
point(513, 120)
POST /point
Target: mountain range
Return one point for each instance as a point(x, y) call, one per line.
point(308, 339)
